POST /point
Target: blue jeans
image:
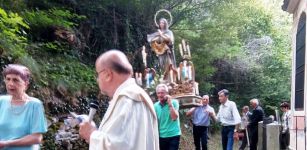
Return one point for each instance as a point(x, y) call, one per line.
point(227, 137)
point(200, 135)
point(169, 143)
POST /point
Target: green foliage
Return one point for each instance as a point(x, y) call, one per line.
point(234, 49)
point(12, 36)
point(55, 47)
point(44, 24)
point(13, 5)
point(67, 71)
point(52, 17)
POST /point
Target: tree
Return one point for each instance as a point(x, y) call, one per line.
point(233, 49)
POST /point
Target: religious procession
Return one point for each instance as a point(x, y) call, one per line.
point(144, 75)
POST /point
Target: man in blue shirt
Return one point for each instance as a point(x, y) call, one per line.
point(201, 121)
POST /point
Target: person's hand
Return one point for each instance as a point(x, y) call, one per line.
point(3, 144)
point(236, 136)
point(207, 111)
point(169, 51)
point(160, 32)
point(283, 132)
point(169, 100)
point(86, 129)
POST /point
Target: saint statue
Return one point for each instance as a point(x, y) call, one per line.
point(162, 43)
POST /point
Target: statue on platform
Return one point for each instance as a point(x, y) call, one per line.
point(138, 78)
point(186, 67)
point(162, 43)
point(150, 74)
point(186, 71)
point(171, 74)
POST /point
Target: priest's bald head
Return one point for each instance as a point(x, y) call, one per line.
point(113, 68)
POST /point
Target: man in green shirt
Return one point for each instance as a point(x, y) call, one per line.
point(168, 119)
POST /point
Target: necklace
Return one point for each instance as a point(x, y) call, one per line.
point(18, 109)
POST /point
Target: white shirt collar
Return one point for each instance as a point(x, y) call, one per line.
point(226, 103)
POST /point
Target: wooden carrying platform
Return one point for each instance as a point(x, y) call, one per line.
point(187, 101)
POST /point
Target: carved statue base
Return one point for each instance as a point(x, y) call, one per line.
point(186, 93)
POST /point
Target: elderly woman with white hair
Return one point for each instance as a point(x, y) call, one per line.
point(22, 119)
point(257, 116)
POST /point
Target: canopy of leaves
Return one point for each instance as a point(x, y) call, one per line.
point(12, 36)
point(242, 46)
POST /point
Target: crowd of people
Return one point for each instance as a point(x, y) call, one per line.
point(132, 120)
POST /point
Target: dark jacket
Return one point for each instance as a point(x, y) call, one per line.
point(257, 116)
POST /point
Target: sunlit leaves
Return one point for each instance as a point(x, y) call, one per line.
point(12, 39)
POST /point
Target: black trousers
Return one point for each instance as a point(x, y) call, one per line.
point(284, 140)
point(200, 135)
point(169, 143)
point(253, 137)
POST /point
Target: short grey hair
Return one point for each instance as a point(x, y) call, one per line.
point(17, 69)
point(254, 100)
point(164, 86)
point(205, 96)
point(224, 91)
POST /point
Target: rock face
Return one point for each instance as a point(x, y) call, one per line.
point(67, 138)
point(61, 137)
